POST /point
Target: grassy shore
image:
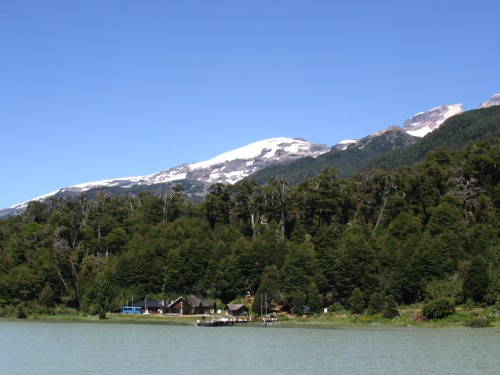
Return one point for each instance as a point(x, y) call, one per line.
point(409, 317)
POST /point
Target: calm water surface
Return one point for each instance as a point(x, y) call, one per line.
point(97, 348)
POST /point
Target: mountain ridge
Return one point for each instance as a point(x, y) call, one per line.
point(280, 153)
point(228, 167)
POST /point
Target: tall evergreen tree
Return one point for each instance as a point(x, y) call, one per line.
point(476, 280)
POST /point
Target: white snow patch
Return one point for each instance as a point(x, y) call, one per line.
point(262, 149)
point(253, 150)
point(453, 110)
point(347, 141)
point(110, 182)
point(420, 132)
point(41, 197)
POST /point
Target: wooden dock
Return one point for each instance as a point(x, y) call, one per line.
point(269, 322)
point(222, 322)
point(229, 322)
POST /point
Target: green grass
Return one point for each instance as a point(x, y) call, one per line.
point(411, 316)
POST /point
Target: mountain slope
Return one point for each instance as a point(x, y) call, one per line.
point(495, 100)
point(454, 133)
point(346, 160)
point(296, 158)
point(425, 122)
point(392, 147)
point(226, 168)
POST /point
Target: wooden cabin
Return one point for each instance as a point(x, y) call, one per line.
point(202, 306)
point(162, 306)
point(236, 309)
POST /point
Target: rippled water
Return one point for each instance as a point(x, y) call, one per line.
point(104, 348)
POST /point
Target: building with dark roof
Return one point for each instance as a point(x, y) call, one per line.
point(236, 309)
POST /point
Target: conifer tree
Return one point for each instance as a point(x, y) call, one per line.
point(476, 280)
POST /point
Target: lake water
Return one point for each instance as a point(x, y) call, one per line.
point(107, 348)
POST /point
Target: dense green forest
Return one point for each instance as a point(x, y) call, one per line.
point(417, 233)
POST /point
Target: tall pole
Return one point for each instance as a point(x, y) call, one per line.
point(261, 304)
point(265, 296)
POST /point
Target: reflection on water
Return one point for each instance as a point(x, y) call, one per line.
point(97, 348)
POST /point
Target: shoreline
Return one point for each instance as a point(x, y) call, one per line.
point(329, 321)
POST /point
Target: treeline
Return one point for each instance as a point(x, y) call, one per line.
point(420, 233)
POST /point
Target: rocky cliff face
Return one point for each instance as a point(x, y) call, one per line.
point(425, 122)
point(495, 100)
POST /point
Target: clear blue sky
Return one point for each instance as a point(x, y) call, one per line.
point(92, 90)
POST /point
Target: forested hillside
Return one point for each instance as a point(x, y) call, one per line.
point(408, 235)
point(389, 152)
point(454, 133)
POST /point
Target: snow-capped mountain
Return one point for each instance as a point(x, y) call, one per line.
point(419, 125)
point(344, 144)
point(495, 100)
point(227, 168)
point(387, 139)
point(391, 138)
point(425, 122)
point(237, 164)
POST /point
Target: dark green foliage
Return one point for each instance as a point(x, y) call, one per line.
point(21, 313)
point(268, 289)
point(439, 308)
point(492, 296)
point(376, 303)
point(409, 234)
point(476, 280)
point(451, 287)
point(313, 300)
point(356, 302)
point(390, 309)
point(454, 133)
point(298, 299)
point(47, 296)
point(102, 290)
point(478, 322)
point(356, 263)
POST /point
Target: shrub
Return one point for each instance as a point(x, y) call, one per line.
point(363, 319)
point(476, 280)
point(390, 310)
point(356, 302)
point(21, 313)
point(439, 308)
point(478, 322)
point(469, 304)
point(336, 306)
point(376, 304)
